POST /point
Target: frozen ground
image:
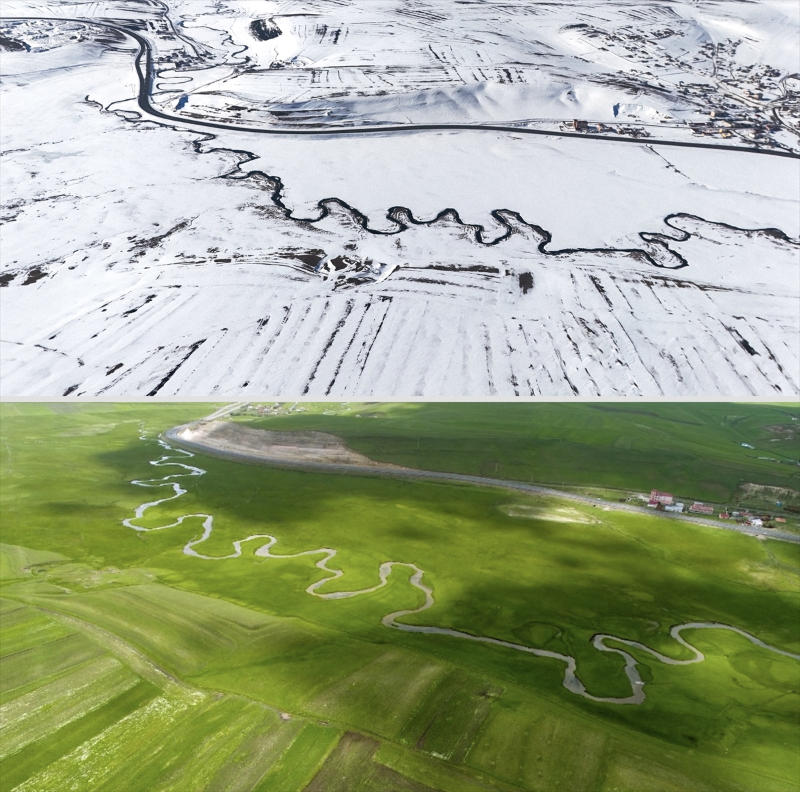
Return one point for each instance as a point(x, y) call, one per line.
point(164, 258)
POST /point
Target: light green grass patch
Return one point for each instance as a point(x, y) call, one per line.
point(191, 755)
point(350, 768)
point(176, 628)
point(36, 714)
point(94, 761)
point(16, 562)
point(7, 606)
point(439, 775)
point(51, 747)
point(541, 753)
point(25, 628)
point(632, 774)
point(256, 755)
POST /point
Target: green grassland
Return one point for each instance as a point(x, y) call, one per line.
point(691, 449)
point(125, 664)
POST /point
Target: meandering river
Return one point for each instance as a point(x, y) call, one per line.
point(571, 680)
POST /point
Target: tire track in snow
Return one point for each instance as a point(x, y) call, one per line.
point(571, 680)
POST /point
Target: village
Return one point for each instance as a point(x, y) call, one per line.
point(665, 501)
point(722, 97)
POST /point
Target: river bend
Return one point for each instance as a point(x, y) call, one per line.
point(392, 620)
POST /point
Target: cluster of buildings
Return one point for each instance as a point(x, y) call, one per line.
point(596, 126)
point(665, 501)
point(721, 125)
point(752, 103)
point(748, 518)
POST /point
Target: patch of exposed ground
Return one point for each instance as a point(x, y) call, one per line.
point(785, 430)
point(763, 492)
point(549, 514)
point(295, 447)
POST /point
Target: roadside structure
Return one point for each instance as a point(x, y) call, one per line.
point(660, 498)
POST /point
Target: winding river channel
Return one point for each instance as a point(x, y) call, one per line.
point(571, 680)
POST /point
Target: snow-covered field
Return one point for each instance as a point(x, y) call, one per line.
point(145, 255)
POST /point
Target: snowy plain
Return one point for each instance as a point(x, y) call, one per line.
point(144, 256)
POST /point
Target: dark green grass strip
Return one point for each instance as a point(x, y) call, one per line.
point(36, 756)
point(350, 768)
point(301, 760)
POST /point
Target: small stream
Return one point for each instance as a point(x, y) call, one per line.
point(571, 681)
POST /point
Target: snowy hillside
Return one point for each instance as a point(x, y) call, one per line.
point(396, 199)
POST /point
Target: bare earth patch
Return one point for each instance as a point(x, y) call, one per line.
point(764, 492)
point(316, 447)
point(550, 514)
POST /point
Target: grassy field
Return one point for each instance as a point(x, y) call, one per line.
point(127, 664)
point(694, 450)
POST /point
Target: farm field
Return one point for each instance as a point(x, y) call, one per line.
point(125, 656)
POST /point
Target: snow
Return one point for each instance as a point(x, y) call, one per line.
point(143, 258)
point(587, 193)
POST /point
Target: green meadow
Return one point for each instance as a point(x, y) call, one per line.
point(691, 449)
point(127, 664)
